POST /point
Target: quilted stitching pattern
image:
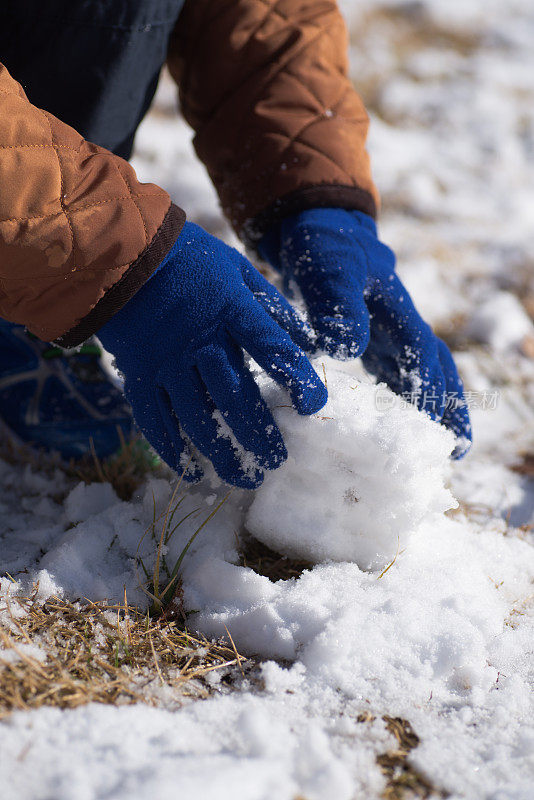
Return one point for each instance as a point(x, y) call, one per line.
point(263, 82)
point(73, 217)
point(282, 115)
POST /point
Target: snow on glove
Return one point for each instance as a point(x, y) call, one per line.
point(179, 343)
point(358, 306)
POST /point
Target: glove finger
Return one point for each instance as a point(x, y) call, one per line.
point(272, 348)
point(181, 455)
point(162, 431)
point(236, 395)
point(344, 333)
point(417, 377)
point(426, 384)
point(276, 305)
point(403, 350)
point(330, 268)
point(207, 428)
point(456, 413)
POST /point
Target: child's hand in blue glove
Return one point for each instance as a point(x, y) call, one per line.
point(358, 306)
point(179, 343)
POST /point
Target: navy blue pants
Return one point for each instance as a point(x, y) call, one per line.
point(94, 64)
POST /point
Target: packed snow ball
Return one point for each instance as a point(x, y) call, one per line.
point(361, 476)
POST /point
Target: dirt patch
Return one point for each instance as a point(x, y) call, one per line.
point(266, 562)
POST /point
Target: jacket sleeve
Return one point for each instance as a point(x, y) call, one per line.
point(278, 124)
point(79, 234)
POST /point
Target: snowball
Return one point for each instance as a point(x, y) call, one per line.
point(360, 477)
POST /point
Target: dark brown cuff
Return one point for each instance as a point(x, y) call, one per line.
point(319, 196)
point(133, 279)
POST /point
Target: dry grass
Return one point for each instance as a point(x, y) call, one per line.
point(165, 586)
point(17, 454)
point(474, 512)
point(453, 333)
point(111, 654)
point(403, 780)
point(408, 29)
point(100, 653)
point(482, 514)
point(126, 470)
point(522, 608)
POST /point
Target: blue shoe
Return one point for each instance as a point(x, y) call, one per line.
point(59, 401)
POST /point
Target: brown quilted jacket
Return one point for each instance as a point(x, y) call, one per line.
point(278, 125)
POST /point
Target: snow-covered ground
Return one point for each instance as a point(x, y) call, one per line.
point(444, 638)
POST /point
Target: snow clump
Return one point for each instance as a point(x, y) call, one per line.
point(361, 476)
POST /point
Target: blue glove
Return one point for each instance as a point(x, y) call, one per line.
point(179, 343)
point(358, 306)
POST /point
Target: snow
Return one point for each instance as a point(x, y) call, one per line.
point(500, 321)
point(251, 751)
point(380, 464)
point(444, 637)
point(85, 502)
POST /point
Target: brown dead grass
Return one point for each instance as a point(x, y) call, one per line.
point(408, 29)
point(413, 29)
point(522, 608)
point(125, 470)
point(96, 652)
point(403, 780)
point(525, 466)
